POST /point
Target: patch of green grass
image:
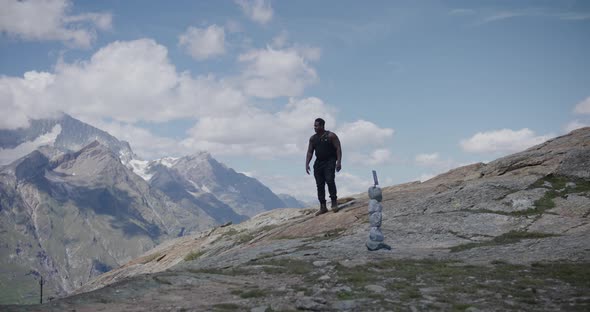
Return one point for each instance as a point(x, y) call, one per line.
point(151, 258)
point(559, 183)
point(504, 239)
point(226, 307)
point(329, 235)
point(230, 232)
point(161, 280)
point(454, 285)
point(285, 266)
point(459, 307)
point(194, 255)
point(345, 295)
point(244, 238)
point(577, 274)
point(398, 285)
point(253, 293)
point(226, 271)
point(308, 291)
point(410, 294)
point(559, 188)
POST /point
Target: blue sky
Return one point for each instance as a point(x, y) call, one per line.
point(412, 89)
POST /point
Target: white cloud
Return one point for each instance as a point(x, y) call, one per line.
point(10, 154)
point(259, 11)
point(48, 20)
point(505, 140)
point(576, 124)
point(436, 165)
point(143, 142)
point(203, 43)
point(583, 107)
point(233, 26)
point(428, 159)
point(489, 16)
point(127, 81)
point(362, 133)
point(280, 41)
point(380, 156)
point(271, 73)
point(261, 133)
point(377, 157)
point(350, 184)
point(24, 98)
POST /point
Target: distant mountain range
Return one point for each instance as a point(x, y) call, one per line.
point(84, 203)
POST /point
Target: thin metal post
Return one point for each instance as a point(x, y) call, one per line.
point(41, 292)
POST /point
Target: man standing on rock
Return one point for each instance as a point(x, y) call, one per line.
point(328, 156)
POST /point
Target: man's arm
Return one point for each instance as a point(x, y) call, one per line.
point(336, 143)
point(309, 156)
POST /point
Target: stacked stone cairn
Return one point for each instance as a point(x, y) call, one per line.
point(375, 241)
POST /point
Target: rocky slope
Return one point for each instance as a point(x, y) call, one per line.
point(512, 234)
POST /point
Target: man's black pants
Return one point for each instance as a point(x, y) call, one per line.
point(325, 173)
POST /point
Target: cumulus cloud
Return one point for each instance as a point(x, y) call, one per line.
point(259, 11)
point(362, 133)
point(48, 20)
point(127, 81)
point(376, 157)
point(380, 156)
point(261, 133)
point(270, 73)
point(583, 107)
point(10, 154)
point(428, 159)
point(488, 16)
point(576, 124)
point(143, 142)
point(505, 140)
point(203, 43)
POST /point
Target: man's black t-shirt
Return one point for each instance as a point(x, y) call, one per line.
point(323, 146)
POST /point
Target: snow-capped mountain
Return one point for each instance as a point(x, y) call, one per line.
point(201, 176)
point(64, 133)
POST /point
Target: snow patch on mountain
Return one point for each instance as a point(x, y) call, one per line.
point(167, 161)
point(141, 168)
point(10, 154)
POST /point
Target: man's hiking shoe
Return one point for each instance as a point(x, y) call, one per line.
point(323, 209)
point(335, 206)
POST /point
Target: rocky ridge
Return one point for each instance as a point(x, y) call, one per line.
point(510, 234)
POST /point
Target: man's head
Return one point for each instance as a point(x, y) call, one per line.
point(318, 125)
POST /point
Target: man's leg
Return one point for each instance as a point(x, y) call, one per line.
point(330, 176)
point(320, 182)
